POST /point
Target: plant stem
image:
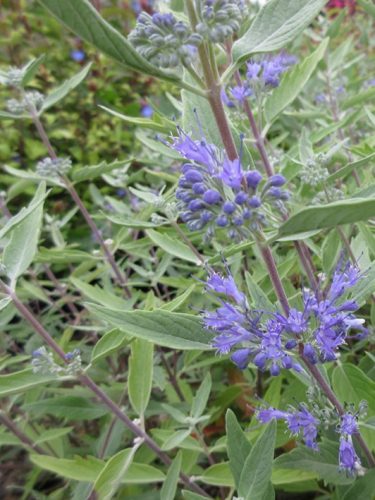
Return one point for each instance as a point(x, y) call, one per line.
point(171, 376)
point(187, 241)
point(223, 125)
point(12, 427)
point(214, 89)
point(274, 275)
point(95, 389)
point(335, 114)
point(75, 196)
point(336, 403)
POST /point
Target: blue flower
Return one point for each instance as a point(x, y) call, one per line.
point(241, 92)
point(298, 421)
point(348, 425)
point(226, 286)
point(232, 173)
point(215, 192)
point(147, 111)
point(348, 459)
point(267, 71)
point(78, 55)
point(242, 332)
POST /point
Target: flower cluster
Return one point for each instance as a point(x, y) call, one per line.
point(44, 363)
point(321, 327)
point(261, 75)
point(298, 421)
point(215, 192)
point(315, 171)
point(326, 320)
point(220, 19)
point(49, 167)
point(164, 41)
point(32, 99)
point(348, 458)
point(242, 330)
point(305, 422)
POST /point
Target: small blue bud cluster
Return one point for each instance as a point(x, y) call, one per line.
point(215, 192)
point(164, 41)
point(308, 422)
point(49, 167)
point(261, 75)
point(32, 98)
point(320, 328)
point(44, 363)
point(13, 77)
point(220, 19)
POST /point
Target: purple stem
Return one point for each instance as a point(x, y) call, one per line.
point(73, 193)
point(95, 389)
point(223, 126)
point(12, 427)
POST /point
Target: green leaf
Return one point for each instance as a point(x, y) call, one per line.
point(324, 463)
point(362, 489)
point(31, 69)
point(22, 381)
point(218, 475)
point(38, 199)
point(52, 434)
point(166, 127)
point(84, 20)
point(21, 248)
point(277, 24)
point(368, 6)
point(169, 488)
point(189, 495)
point(238, 446)
point(349, 168)
point(179, 300)
point(110, 476)
point(143, 474)
point(111, 342)
point(173, 330)
point(364, 96)
point(175, 439)
point(200, 399)
point(351, 385)
point(69, 407)
point(173, 246)
point(330, 215)
point(293, 82)
point(257, 469)
point(140, 374)
point(60, 92)
point(94, 171)
point(99, 295)
point(79, 469)
point(259, 298)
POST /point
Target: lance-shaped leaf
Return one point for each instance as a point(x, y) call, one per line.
point(330, 215)
point(21, 247)
point(173, 330)
point(85, 21)
point(62, 90)
point(276, 24)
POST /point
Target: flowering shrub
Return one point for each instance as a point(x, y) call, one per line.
point(193, 319)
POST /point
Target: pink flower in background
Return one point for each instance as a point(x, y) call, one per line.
point(341, 4)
